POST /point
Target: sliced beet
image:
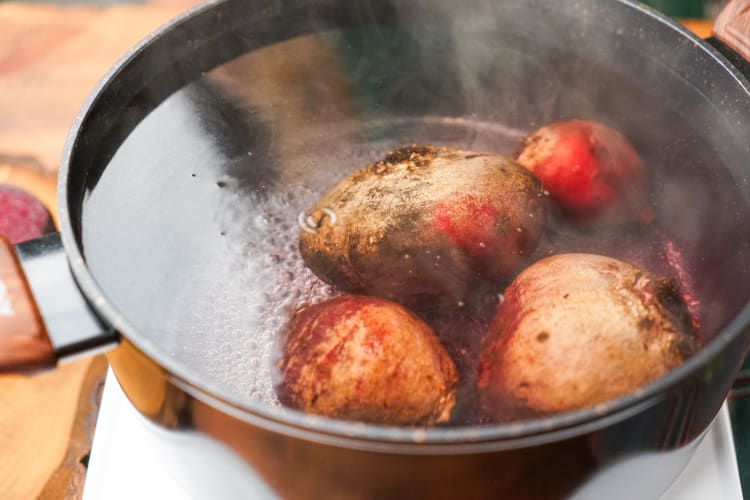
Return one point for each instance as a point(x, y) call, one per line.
point(22, 216)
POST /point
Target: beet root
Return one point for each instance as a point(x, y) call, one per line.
point(425, 223)
point(575, 330)
point(366, 359)
point(591, 170)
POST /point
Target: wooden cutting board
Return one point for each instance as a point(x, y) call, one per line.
point(50, 58)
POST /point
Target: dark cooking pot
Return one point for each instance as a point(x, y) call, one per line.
point(186, 169)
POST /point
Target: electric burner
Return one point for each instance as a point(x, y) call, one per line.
point(132, 458)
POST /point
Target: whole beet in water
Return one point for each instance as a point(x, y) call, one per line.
point(591, 170)
point(425, 223)
point(366, 359)
point(575, 330)
point(22, 216)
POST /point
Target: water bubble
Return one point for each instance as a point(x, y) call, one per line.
point(261, 221)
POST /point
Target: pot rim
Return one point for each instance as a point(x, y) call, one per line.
point(410, 440)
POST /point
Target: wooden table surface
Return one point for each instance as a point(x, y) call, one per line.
point(50, 58)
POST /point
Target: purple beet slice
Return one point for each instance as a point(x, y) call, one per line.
point(22, 216)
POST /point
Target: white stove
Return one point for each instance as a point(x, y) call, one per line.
point(134, 458)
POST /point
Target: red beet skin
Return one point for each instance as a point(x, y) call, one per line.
point(590, 169)
point(362, 358)
point(493, 233)
point(468, 222)
point(22, 216)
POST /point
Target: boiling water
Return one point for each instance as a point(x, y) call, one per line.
point(205, 262)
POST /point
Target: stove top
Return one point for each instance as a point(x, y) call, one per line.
point(134, 458)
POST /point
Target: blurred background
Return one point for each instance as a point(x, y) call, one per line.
point(688, 8)
point(678, 8)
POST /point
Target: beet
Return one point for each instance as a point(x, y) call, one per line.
point(591, 170)
point(425, 224)
point(576, 330)
point(367, 359)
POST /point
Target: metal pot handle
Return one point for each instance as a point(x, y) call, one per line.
point(732, 29)
point(44, 318)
